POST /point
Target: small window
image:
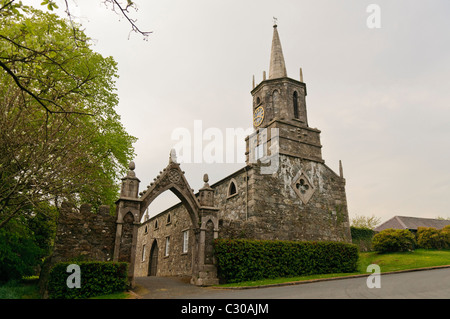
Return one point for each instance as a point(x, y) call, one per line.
point(143, 253)
point(156, 224)
point(185, 241)
point(295, 101)
point(146, 229)
point(232, 188)
point(258, 100)
point(166, 250)
point(168, 219)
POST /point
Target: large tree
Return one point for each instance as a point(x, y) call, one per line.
point(33, 54)
point(60, 137)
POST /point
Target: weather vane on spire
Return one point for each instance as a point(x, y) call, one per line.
point(275, 20)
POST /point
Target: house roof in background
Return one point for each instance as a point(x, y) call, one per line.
point(405, 222)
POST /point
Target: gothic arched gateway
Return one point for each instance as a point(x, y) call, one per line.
point(131, 207)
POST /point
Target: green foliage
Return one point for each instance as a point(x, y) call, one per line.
point(361, 233)
point(242, 260)
point(393, 240)
point(365, 221)
point(97, 278)
point(362, 237)
point(60, 138)
point(24, 242)
point(23, 289)
point(432, 238)
point(50, 4)
point(19, 252)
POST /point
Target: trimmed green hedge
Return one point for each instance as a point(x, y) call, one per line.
point(244, 260)
point(97, 278)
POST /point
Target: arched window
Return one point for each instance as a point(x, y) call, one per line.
point(168, 219)
point(156, 223)
point(232, 188)
point(258, 100)
point(295, 100)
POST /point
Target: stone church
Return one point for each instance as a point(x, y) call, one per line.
point(284, 192)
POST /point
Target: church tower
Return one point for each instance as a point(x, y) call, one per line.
point(279, 102)
point(292, 194)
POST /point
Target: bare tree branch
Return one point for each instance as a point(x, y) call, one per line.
point(124, 11)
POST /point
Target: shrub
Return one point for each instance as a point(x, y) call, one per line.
point(97, 278)
point(393, 240)
point(432, 238)
point(446, 234)
point(362, 237)
point(446, 231)
point(243, 259)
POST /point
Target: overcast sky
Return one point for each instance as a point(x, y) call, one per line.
point(381, 97)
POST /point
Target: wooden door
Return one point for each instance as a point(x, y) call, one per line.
point(153, 262)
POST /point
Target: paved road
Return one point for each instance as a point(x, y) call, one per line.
point(409, 285)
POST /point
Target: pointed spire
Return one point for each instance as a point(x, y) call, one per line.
point(277, 65)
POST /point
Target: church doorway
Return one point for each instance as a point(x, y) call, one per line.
point(153, 262)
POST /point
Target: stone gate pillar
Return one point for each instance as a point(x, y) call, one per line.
point(205, 270)
point(127, 208)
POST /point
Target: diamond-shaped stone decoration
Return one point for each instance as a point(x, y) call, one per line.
point(303, 187)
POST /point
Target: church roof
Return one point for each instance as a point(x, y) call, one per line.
point(405, 222)
point(277, 64)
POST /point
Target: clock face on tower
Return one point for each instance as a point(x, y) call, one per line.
point(258, 116)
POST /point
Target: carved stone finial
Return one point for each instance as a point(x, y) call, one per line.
point(206, 193)
point(131, 172)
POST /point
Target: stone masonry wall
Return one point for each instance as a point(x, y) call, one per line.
point(232, 207)
point(177, 262)
point(279, 213)
point(81, 235)
point(84, 235)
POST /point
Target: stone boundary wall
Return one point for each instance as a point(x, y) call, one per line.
point(81, 235)
point(84, 235)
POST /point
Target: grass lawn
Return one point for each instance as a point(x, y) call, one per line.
point(24, 289)
point(419, 258)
